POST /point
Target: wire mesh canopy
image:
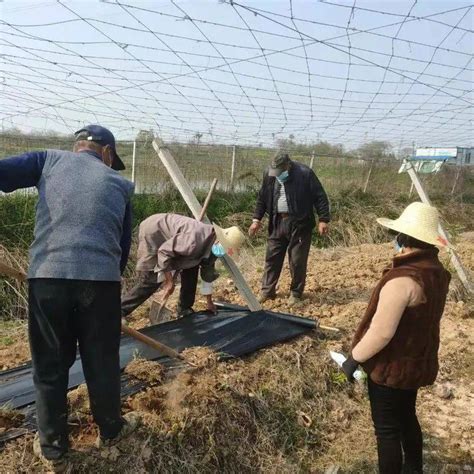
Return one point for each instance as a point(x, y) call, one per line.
point(241, 72)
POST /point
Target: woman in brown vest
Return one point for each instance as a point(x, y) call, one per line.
point(398, 338)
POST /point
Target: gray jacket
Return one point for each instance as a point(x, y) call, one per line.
point(169, 242)
point(79, 218)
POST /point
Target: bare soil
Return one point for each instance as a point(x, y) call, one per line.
point(286, 408)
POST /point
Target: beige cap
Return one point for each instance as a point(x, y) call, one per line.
point(418, 220)
point(231, 238)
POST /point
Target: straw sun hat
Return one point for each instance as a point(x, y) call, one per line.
point(420, 221)
point(231, 238)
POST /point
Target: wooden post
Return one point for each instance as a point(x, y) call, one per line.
point(368, 176)
point(133, 159)
point(232, 169)
point(183, 187)
point(208, 200)
point(411, 189)
point(311, 162)
point(456, 262)
point(456, 179)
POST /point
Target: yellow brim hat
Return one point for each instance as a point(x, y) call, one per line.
point(420, 221)
point(231, 238)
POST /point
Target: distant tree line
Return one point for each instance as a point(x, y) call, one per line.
point(372, 150)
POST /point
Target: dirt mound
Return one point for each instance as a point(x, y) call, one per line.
point(145, 370)
point(175, 392)
point(78, 400)
point(201, 356)
point(10, 419)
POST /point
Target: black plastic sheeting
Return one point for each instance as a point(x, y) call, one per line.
point(234, 331)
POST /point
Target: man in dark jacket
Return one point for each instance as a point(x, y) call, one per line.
point(289, 194)
point(80, 248)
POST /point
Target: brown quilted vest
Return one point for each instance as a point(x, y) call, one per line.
point(410, 360)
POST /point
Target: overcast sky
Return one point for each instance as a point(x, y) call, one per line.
point(247, 73)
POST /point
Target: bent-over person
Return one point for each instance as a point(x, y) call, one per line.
point(170, 244)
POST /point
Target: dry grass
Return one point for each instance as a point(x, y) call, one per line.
point(9, 418)
point(145, 370)
point(12, 292)
point(285, 409)
point(201, 357)
point(78, 400)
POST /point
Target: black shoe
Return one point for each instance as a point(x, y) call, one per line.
point(186, 312)
point(58, 465)
point(264, 298)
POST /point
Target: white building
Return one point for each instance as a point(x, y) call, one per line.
point(461, 156)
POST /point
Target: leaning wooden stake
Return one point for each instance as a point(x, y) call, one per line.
point(368, 176)
point(188, 195)
point(454, 257)
point(208, 200)
point(456, 179)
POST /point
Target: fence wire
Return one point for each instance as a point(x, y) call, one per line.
point(242, 73)
point(201, 163)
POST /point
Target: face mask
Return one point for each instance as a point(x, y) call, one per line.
point(217, 250)
point(283, 177)
point(397, 246)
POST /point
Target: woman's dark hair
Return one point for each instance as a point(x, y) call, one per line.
point(407, 241)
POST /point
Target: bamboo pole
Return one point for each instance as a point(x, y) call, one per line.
point(456, 179)
point(134, 160)
point(368, 176)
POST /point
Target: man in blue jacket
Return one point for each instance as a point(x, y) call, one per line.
point(81, 245)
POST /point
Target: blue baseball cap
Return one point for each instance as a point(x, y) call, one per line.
point(102, 136)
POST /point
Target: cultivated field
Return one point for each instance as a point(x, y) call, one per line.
point(287, 408)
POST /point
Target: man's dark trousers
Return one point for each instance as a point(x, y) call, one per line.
point(62, 314)
point(147, 285)
point(292, 236)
